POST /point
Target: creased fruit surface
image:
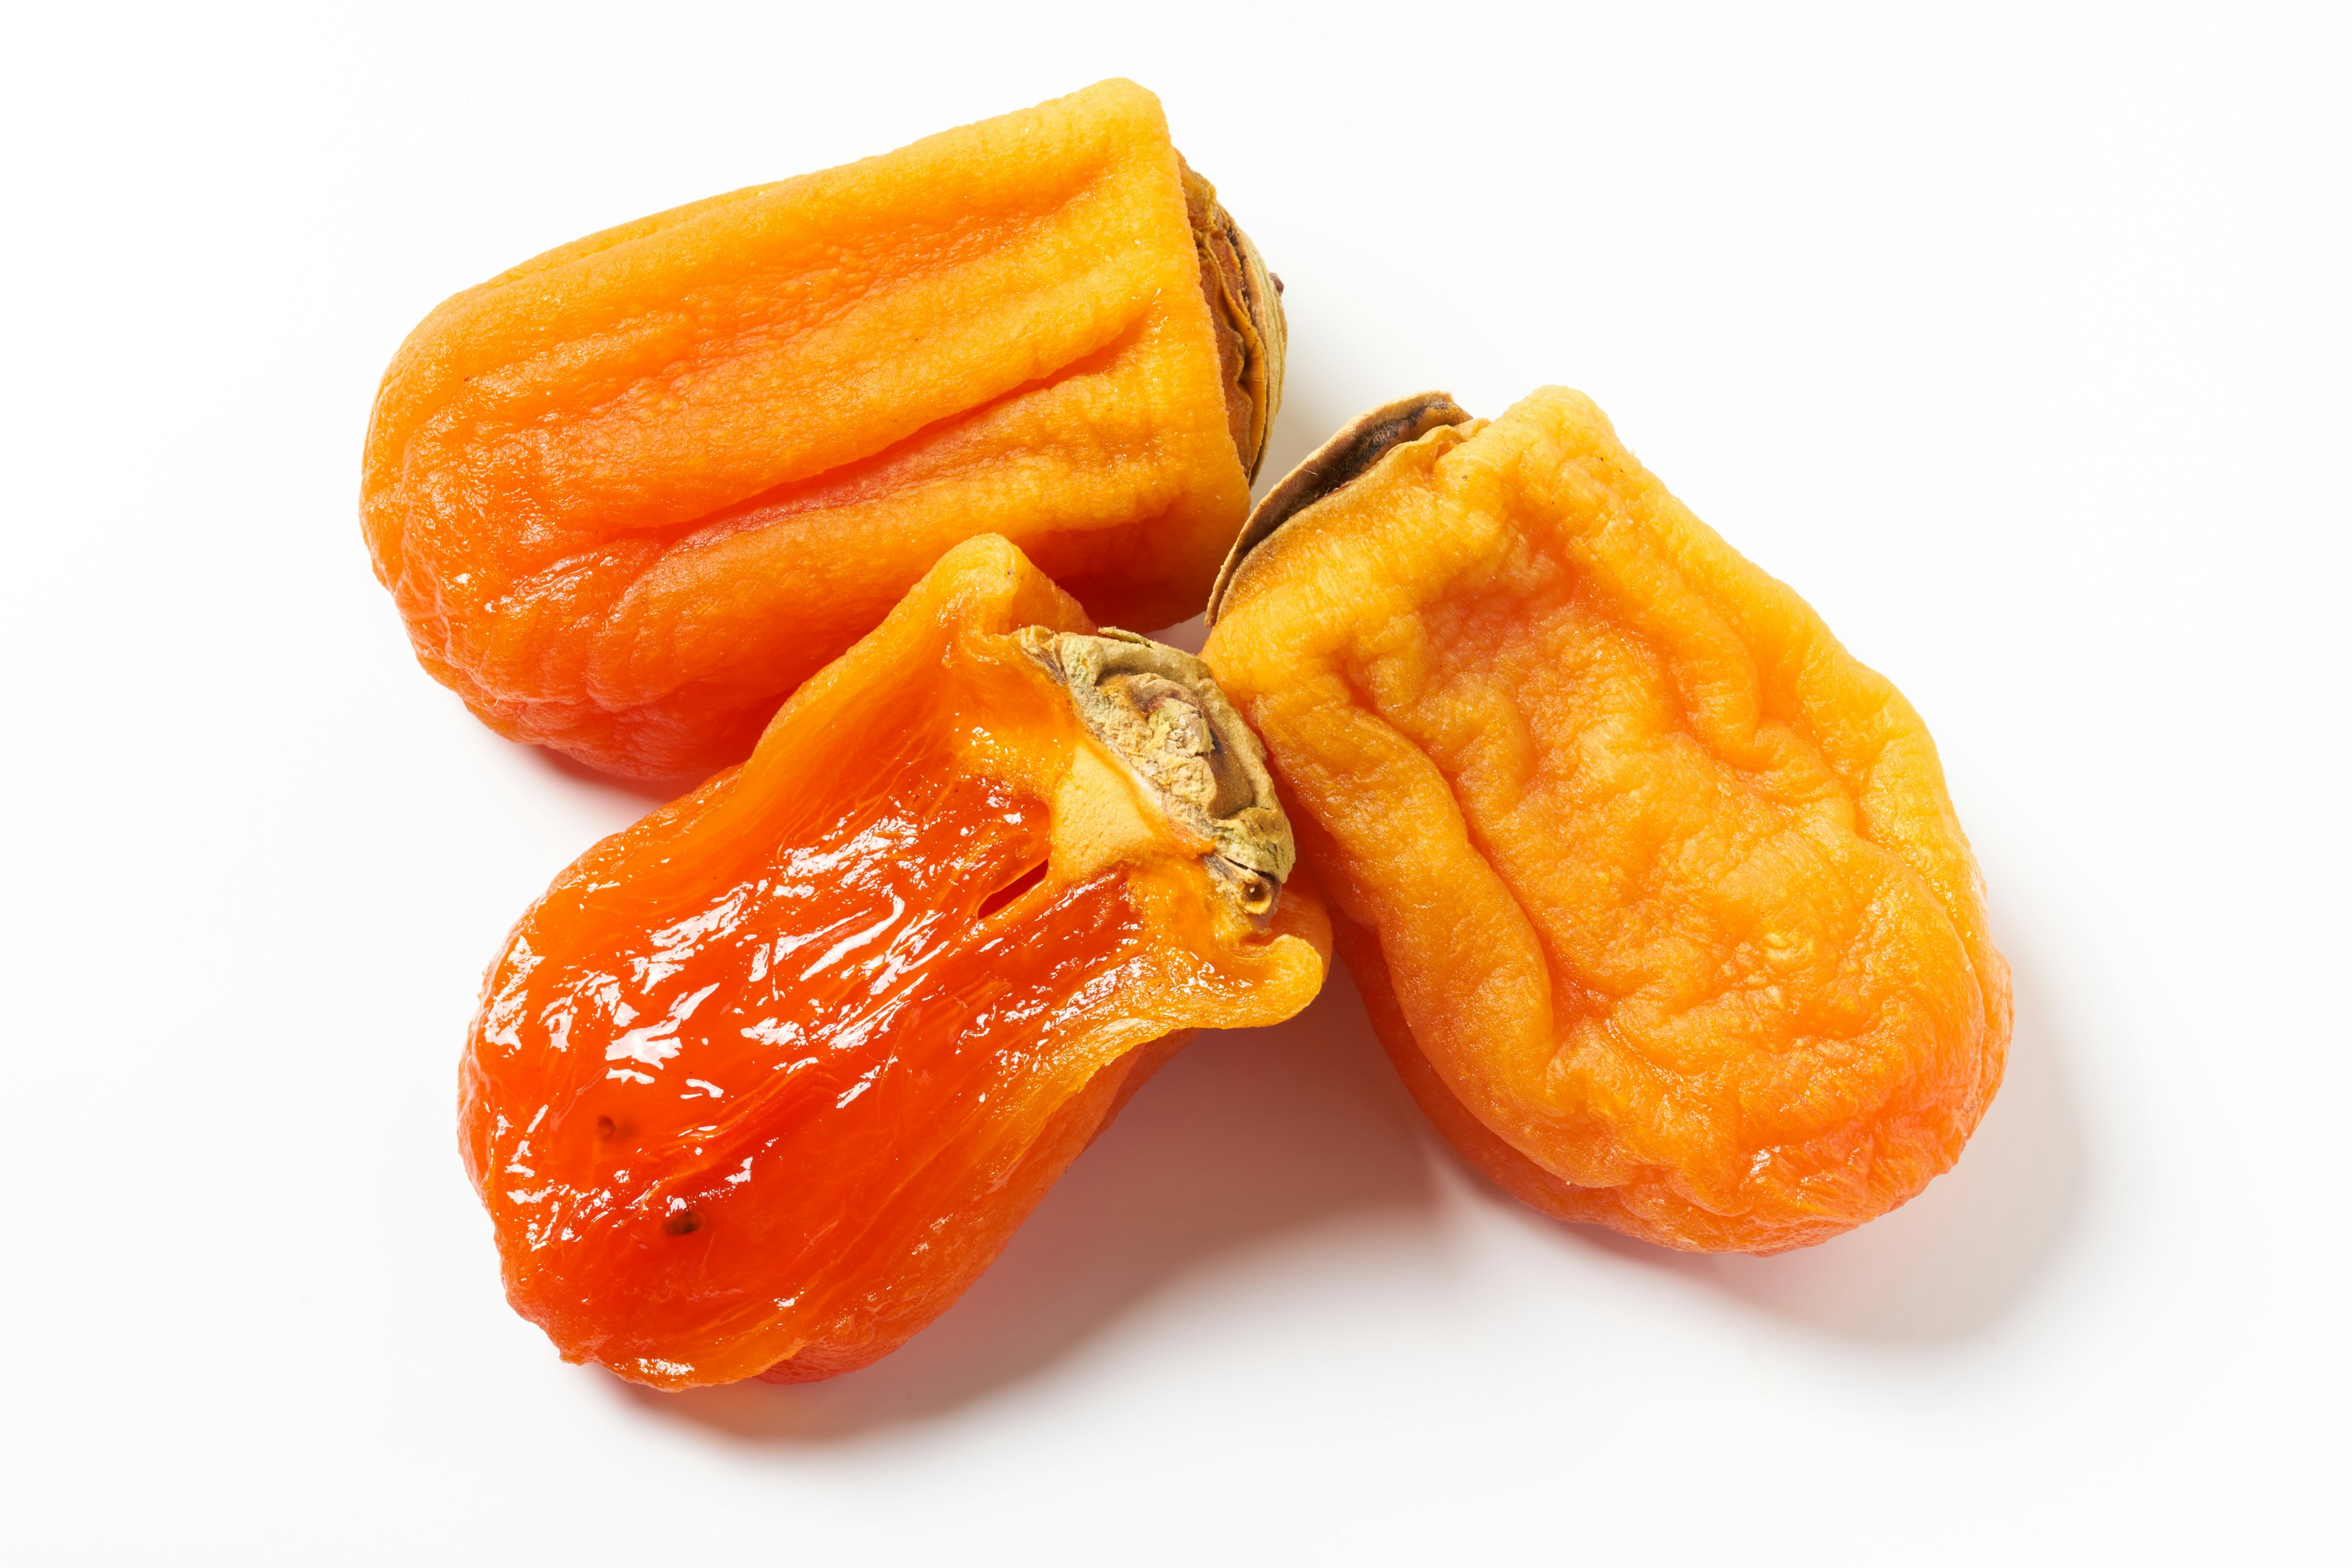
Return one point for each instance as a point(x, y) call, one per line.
point(1655, 895)
point(631, 492)
point(764, 1081)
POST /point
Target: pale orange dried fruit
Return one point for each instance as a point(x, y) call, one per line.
point(1655, 894)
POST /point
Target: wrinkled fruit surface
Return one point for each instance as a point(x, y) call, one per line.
point(633, 491)
point(1655, 894)
point(763, 1082)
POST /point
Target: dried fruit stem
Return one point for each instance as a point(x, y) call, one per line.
point(1159, 712)
point(1351, 452)
point(1245, 302)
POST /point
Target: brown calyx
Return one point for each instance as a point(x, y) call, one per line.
point(1364, 441)
point(1246, 309)
point(1159, 712)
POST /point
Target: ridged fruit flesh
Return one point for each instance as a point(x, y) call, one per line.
point(630, 493)
point(1656, 896)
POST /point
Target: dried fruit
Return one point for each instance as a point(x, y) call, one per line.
point(763, 1082)
point(630, 493)
point(1655, 894)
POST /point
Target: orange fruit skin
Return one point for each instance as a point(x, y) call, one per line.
point(1655, 894)
point(763, 1082)
point(631, 492)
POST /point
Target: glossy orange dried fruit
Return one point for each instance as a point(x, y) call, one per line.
point(1655, 894)
point(631, 492)
point(763, 1082)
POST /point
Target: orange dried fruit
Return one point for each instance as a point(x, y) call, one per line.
point(630, 493)
point(764, 1081)
point(1655, 894)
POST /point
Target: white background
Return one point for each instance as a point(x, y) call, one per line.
point(2016, 339)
